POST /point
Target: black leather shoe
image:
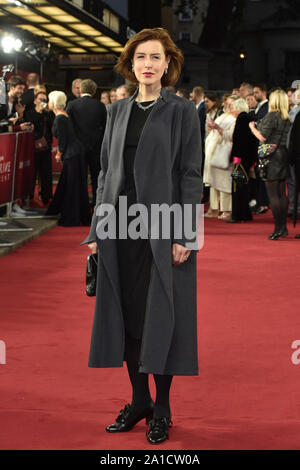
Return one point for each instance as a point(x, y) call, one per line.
point(283, 233)
point(261, 210)
point(273, 236)
point(158, 429)
point(129, 416)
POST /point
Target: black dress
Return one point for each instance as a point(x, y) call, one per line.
point(275, 131)
point(71, 199)
point(134, 256)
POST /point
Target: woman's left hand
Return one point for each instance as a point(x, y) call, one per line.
point(179, 253)
point(58, 157)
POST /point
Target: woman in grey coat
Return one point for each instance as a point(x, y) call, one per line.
point(146, 309)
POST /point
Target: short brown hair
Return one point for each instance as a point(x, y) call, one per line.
point(16, 80)
point(40, 92)
point(124, 64)
point(198, 91)
point(262, 87)
point(88, 86)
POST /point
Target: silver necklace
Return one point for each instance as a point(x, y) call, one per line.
point(144, 108)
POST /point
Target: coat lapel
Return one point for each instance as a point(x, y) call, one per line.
point(118, 144)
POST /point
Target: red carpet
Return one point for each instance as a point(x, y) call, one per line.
point(246, 395)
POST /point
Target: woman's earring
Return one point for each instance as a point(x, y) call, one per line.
point(132, 70)
point(166, 71)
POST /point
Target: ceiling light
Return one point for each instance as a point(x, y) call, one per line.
point(7, 44)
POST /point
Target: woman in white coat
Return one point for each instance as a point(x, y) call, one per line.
point(218, 146)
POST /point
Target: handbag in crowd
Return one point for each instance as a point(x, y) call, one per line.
point(264, 152)
point(221, 157)
point(239, 176)
point(41, 145)
point(91, 274)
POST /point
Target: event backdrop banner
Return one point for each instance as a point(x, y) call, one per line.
point(24, 175)
point(7, 157)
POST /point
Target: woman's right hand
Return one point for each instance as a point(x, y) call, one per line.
point(93, 247)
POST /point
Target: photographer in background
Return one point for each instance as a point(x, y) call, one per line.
point(42, 120)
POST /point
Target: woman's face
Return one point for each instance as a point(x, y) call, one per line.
point(251, 102)
point(209, 104)
point(113, 96)
point(149, 62)
point(105, 97)
point(227, 105)
point(234, 112)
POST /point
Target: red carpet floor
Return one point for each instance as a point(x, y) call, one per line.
point(247, 394)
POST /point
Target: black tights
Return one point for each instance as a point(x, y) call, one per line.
point(278, 203)
point(139, 381)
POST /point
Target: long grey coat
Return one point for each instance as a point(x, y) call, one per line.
point(167, 169)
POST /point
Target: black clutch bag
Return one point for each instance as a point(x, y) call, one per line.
point(91, 274)
point(239, 176)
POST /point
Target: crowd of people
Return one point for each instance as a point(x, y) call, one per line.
point(246, 127)
point(232, 128)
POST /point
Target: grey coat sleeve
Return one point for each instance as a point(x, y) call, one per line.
point(267, 125)
point(101, 180)
point(190, 175)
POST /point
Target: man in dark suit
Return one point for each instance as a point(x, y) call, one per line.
point(260, 94)
point(88, 116)
point(28, 97)
point(294, 153)
point(197, 96)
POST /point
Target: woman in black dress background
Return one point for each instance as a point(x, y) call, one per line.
point(71, 196)
point(273, 129)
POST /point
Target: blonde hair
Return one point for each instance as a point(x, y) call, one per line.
point(39, 89)
point(58, 98)
point(279, 103)
point(240, 105)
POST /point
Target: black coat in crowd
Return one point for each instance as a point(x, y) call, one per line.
point(71, 195)
point(262, 111)
point(27, 98)
point(88, 116)
point(244, 147)
point(294, 147)
point(243, 141)
point(42, 159)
